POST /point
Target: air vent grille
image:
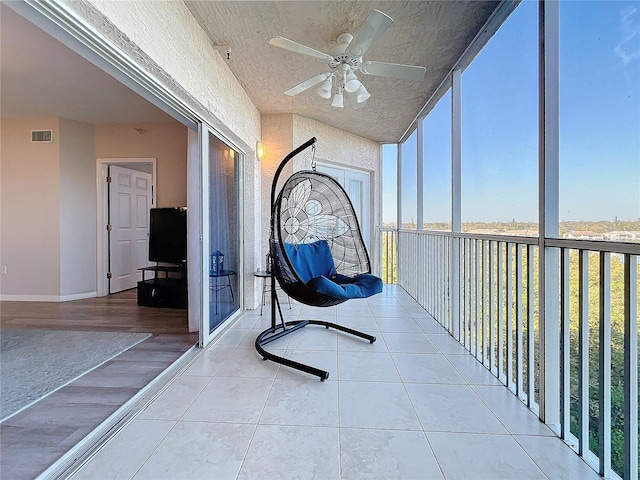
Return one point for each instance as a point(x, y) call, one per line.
point(41, 136)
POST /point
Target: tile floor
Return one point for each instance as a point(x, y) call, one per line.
point(413, 405)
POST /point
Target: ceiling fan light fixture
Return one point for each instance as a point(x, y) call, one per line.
point(362, 95)
point(325, 89)
point(352, 84)
point(338, 100)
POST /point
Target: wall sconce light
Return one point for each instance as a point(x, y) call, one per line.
point(259, 150)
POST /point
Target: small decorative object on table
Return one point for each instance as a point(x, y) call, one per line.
point(217, 263)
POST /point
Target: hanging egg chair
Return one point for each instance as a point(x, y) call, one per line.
point(317, 253)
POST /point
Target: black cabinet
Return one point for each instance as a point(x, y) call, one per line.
point(167, 288)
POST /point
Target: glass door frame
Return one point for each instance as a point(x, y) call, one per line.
point(206, 336)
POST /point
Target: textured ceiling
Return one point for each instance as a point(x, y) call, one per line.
point(433, 34)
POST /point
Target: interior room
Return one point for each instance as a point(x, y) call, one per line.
point(400, 239)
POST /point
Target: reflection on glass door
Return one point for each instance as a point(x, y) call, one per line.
point(224, 234)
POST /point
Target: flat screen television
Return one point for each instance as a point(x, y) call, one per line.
point(168, 235)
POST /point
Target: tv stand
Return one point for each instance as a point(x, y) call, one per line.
point(167, 288)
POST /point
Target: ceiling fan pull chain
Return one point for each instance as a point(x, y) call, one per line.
point(313, 157)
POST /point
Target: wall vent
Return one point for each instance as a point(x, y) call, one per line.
point(41, 136)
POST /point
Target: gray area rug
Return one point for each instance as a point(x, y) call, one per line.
point(35, 363)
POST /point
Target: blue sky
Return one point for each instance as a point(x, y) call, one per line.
point(599, 123)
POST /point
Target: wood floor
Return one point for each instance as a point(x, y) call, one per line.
point(35, 438)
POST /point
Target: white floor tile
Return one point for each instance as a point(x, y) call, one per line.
point(281, 452)
point(209, 361)
point(426, 368)
point(367, 367)
point(351, 343)
point(127, 451)
point(386, 454)
point(244, 362)
point(233, 415)
point(482, 457)
point(176, 399)
point(233, 400)
point(199, 450)
point(302, 402)
point(314, 337)
point(508, 408)
point(376, 405)
point(447, 345)
point(409, 343)
point(397, 324)
point(472, 370)
point(452, 408)
point(394, 311)
point(555, 459)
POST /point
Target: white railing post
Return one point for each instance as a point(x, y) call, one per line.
point(549, 226)
point(456, 188)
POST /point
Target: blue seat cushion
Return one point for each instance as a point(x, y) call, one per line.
point(311, 260)
point(314, 265)
point(341, 286)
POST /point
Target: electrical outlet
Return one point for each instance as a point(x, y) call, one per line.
point(4, 269)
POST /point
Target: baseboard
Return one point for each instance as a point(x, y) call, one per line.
point(46, 298)
point(78, 296)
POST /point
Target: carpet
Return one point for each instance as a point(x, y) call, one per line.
point(36, 363)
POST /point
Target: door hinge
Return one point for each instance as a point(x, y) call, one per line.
point(109, 275)
point(108, 179)
point(109, 227)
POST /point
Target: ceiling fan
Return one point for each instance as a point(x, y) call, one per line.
point(345, 59)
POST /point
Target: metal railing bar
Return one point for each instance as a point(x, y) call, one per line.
point(565, 345)
point(583, 353)
point(500, 309)
point(478, 298)
point(499, 238)
point(519, 320)
point(509, 315)
point(604, 366)
point(530, 327)
point(594, 245)
point(491, 310)
point(630, 367)
point(485, 302)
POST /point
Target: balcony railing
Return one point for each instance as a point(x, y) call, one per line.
point(486, 291)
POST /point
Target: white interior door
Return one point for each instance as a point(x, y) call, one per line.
point(130, 196)
point(356, 183)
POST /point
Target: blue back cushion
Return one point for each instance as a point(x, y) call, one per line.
point(311, 260)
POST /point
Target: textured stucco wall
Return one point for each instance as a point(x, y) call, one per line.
point(164, 39)
point(343, 149)
point(277, 136)
point(282, 133)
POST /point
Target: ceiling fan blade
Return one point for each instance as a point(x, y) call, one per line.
point(299, 48)
point(393, 70)
point(307, 84)
point(374, 26)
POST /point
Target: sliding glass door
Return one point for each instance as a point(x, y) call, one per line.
point(221, 233)
point(224, 232)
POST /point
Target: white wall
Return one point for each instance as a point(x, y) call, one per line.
point(30, 210)
point(77, 210)
point(283, 133)
point(167, 142)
